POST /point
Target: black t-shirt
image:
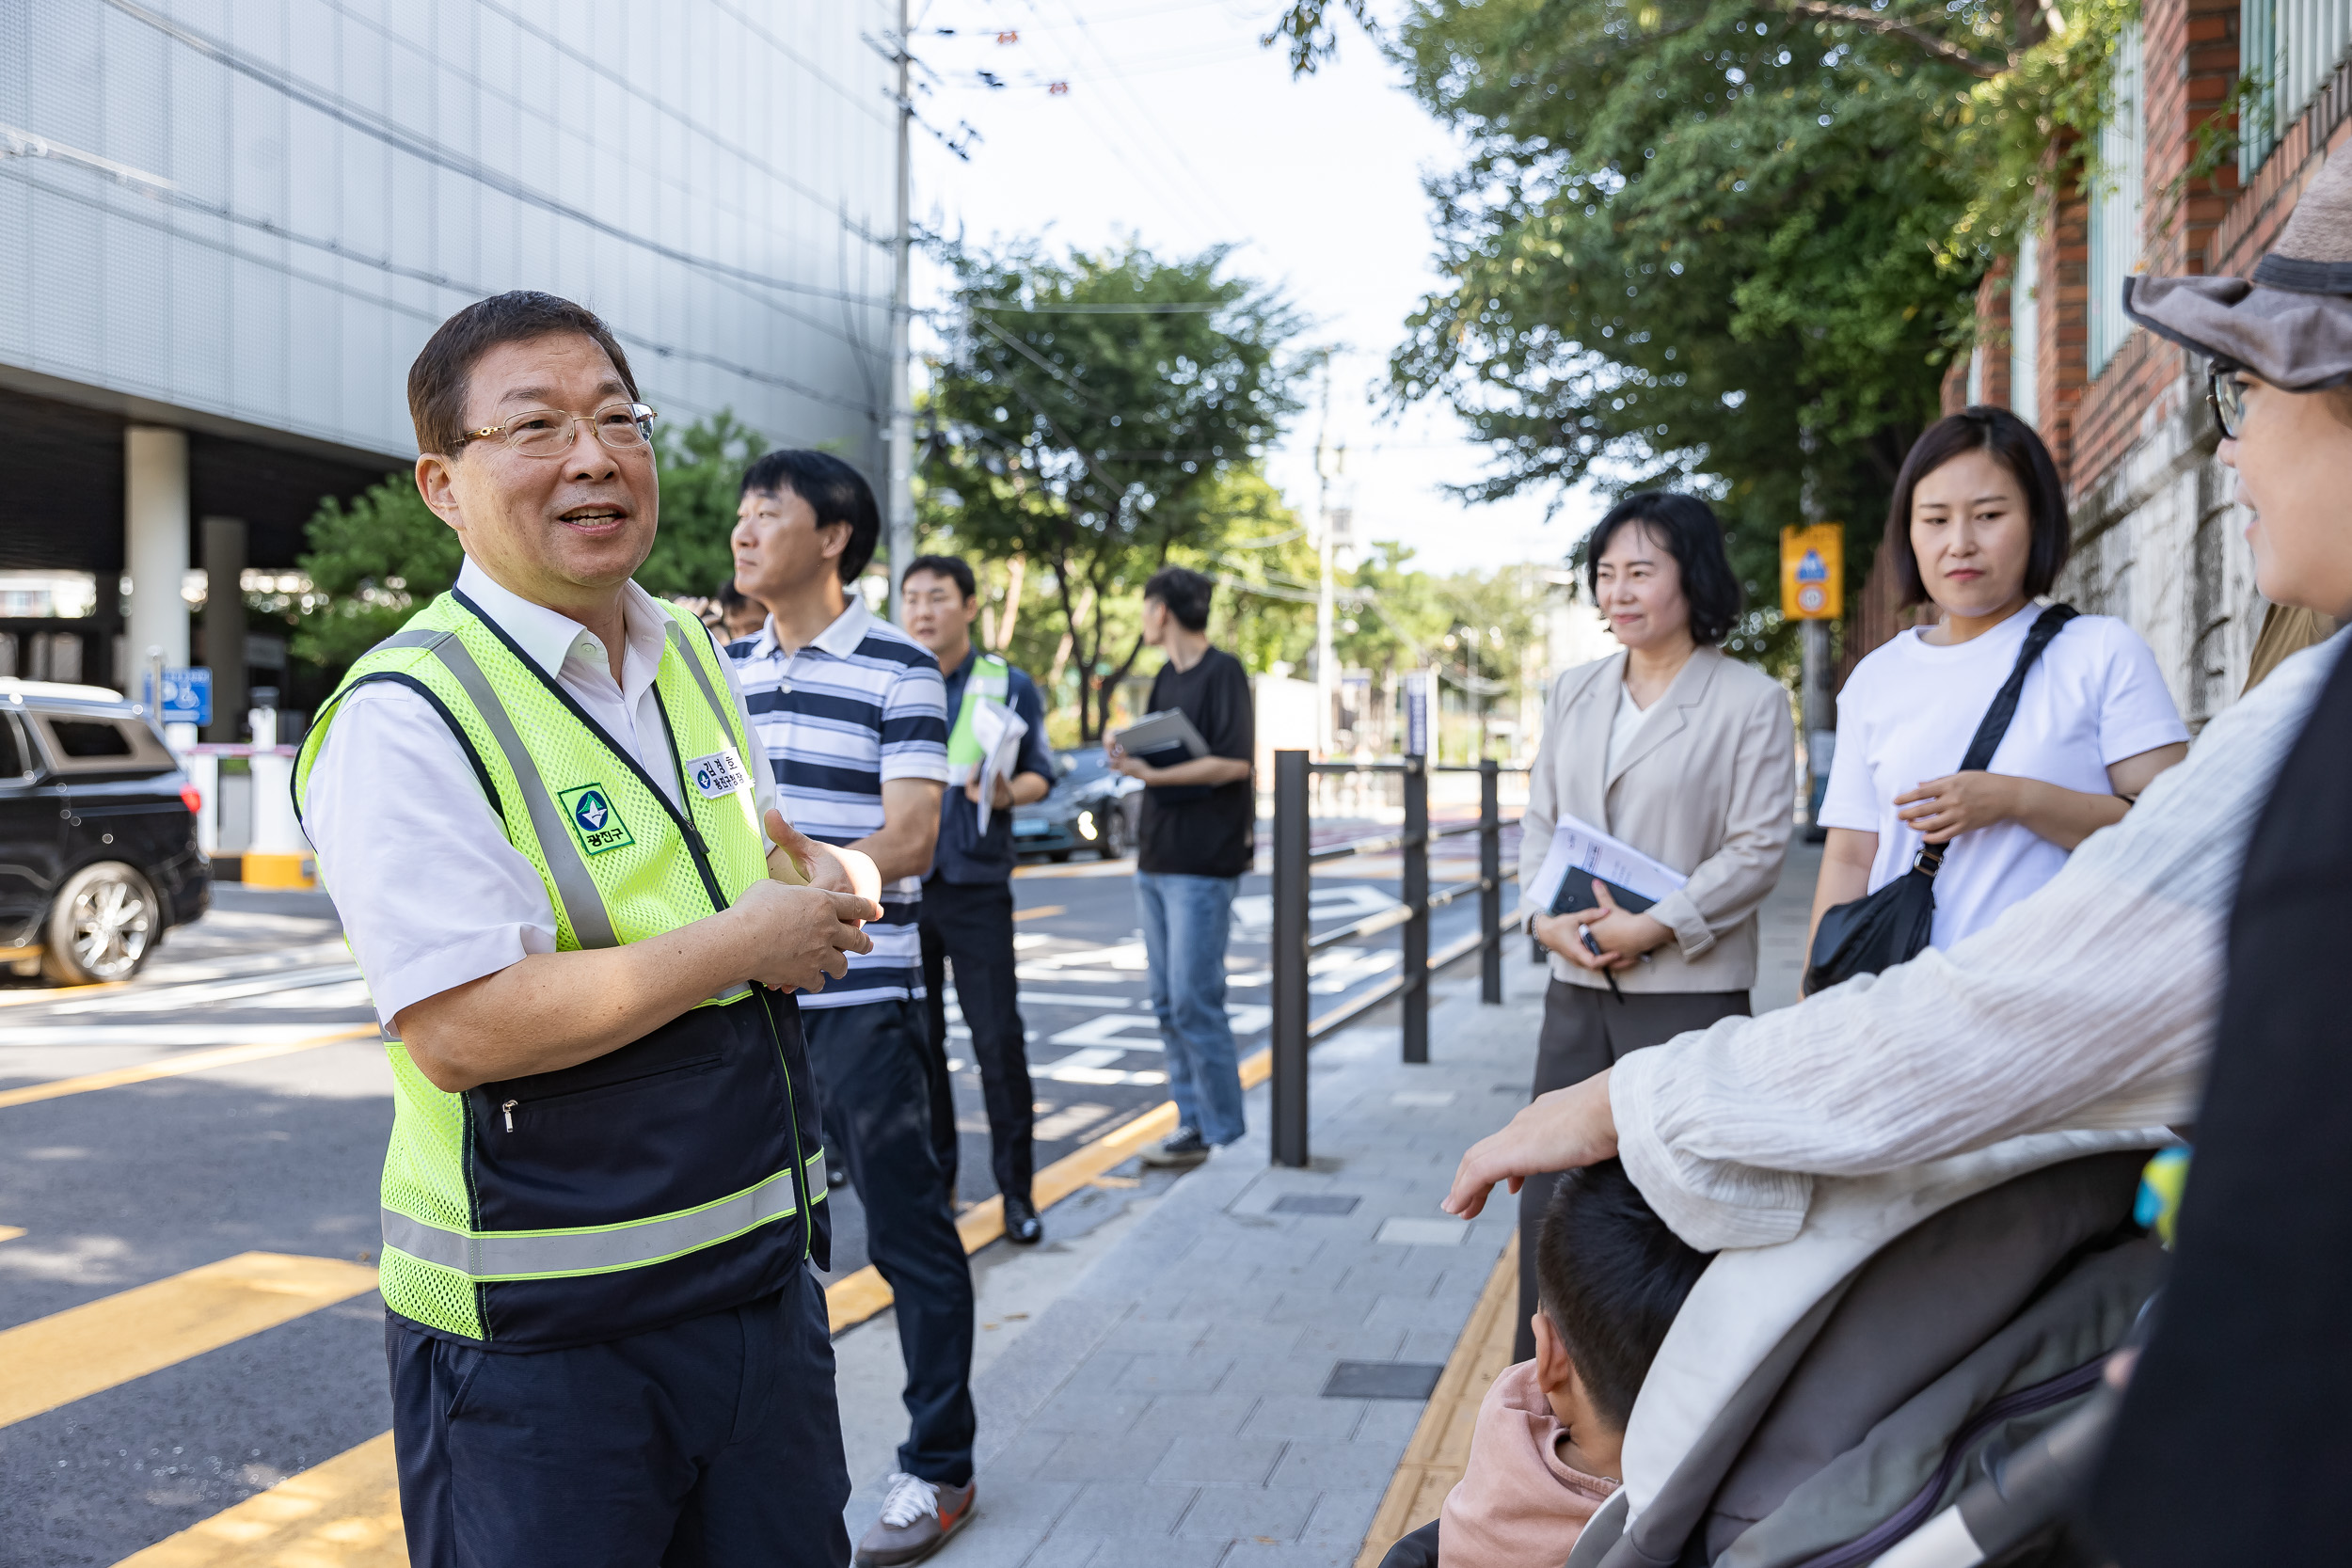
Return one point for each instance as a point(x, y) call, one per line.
point(1211, 833)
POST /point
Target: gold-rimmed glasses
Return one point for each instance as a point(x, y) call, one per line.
point(547, 432)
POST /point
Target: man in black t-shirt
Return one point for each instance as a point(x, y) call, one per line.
point(1195, 839)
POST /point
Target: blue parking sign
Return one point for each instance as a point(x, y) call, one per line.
point(187, 696)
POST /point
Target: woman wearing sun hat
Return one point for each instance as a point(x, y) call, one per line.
point(2234, 1445)
point(2204, 931)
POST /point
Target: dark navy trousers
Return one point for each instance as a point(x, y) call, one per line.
point(710, 1444)
point(874, 1091)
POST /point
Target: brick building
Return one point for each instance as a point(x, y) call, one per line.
point(2157, 537)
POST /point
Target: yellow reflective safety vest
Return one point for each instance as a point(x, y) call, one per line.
point(676, 1176)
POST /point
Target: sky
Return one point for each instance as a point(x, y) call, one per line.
point(1176, 128)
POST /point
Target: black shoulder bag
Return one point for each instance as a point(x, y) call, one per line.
point(1894, 922)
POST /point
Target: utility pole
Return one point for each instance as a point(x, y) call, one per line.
point(1327, 671)
point(900, 519)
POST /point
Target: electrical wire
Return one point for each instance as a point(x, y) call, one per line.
point(471, 291)
point(1216, 198)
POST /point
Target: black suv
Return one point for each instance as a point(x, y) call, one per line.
point(98, 853)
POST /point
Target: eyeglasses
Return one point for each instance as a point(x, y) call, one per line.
point(2227, 394)
point(547, 432)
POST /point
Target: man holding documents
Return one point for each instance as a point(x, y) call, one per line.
point(996, 760)
point(1664, 776)
point(1193, 752)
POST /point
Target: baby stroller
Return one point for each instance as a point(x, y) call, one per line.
point(1914, 1380)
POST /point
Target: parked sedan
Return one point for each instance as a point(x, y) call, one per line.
point(1090, 807)
point(98, 852)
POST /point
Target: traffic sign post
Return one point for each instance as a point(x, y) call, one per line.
point(187, 696)
point(1813, 594)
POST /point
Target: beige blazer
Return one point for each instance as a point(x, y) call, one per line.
point(1708, 787)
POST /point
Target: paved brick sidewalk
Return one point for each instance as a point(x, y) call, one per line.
point(1168, 1408)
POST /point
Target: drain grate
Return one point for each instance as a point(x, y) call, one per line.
point(1383, 1380)
point(1316, 1203)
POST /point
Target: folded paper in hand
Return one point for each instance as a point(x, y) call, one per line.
point(1636, 881)
point(998, 730)
point(1163, 740)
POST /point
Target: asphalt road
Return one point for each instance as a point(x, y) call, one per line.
point(113, 1188)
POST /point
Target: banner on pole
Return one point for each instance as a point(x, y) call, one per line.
point(1813, 572)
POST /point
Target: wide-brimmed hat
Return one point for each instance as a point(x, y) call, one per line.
point(2290, 324)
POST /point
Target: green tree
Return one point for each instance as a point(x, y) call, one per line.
point(1092, 405)
point(700, 466)
point(1724, 243)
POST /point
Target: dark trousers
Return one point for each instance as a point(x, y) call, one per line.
point(1586, 1030)
point(874, 1091)
point(972, 928)
point(712, 1442)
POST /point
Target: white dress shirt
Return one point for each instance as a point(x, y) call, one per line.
point(430, 892)
point(2087, 1004)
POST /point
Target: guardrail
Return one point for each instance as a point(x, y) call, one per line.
point(1295, 857)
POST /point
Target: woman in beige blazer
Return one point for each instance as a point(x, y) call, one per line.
point(1689, 757)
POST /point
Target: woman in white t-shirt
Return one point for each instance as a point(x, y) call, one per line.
point(1979, 527)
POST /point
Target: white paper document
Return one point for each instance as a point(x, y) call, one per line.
point(998, 730)
point(1577, 846)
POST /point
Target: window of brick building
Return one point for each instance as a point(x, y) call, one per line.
point(2024, 331)
point(2115, 203)
point(2289, 47)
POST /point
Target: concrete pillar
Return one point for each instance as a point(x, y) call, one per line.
point(224, 624)
point(155, 548)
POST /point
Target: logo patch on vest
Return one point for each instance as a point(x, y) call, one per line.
point(597, 826)
point(720, 774)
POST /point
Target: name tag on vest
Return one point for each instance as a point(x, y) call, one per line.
point(719, 774)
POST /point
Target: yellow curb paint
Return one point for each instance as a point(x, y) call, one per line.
point(11, 1233)
point(344, 1513)
point(51, 993)
point(84, 1350)
point(172, 1066)
point(277, 870)
point(1041, 911)
point(1440, 1450)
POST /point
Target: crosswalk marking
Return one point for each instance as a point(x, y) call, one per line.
point(195, 1061)
point(344, 1513)
point(84, 1350)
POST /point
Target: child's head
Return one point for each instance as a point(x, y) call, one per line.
point(1611, 1277)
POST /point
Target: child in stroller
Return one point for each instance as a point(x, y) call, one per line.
point(1914, 1380)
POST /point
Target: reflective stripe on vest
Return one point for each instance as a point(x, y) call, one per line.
point(991, 681)
point(583, 903)
point(493, 1255)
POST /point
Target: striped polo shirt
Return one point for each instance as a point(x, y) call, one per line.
point(861, 704)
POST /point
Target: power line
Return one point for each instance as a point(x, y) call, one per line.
point(655, 346)
point(1216, 201)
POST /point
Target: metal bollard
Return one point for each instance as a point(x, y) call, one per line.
point(1289, 935)
point(1415, 894)
point(1489, 882)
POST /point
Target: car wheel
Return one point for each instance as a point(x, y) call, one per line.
point(1114, 844)
point(101, 926)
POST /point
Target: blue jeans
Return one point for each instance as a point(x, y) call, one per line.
point(1185, 920)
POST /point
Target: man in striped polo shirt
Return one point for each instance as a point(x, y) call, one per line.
point(852, 714)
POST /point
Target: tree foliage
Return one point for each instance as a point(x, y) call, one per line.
point(1092, 408)
point(1728, 244)
point(375, 560)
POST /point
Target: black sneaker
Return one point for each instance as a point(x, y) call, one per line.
point(1021, 1226)
point(1179, 1151)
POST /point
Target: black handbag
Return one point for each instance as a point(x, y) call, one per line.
point(1894, 922)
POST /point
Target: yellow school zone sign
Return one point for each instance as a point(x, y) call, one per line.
point(1813, 572)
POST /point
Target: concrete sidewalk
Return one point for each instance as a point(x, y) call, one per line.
point(1176, 1403)
point(1181, 1376)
